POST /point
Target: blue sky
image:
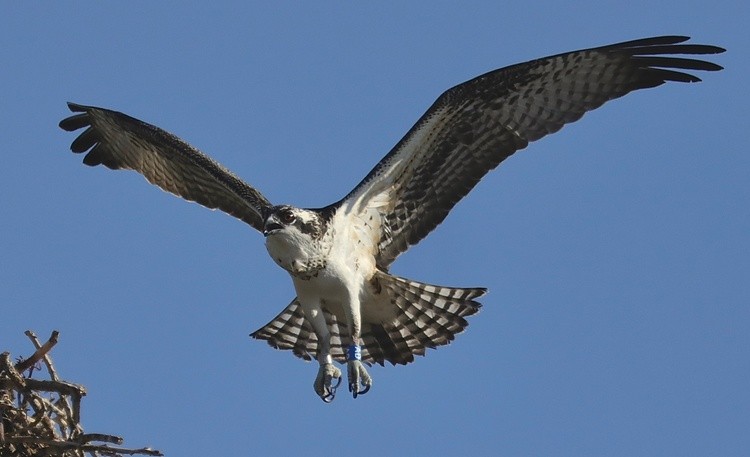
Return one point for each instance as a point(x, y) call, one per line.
point(616, 251)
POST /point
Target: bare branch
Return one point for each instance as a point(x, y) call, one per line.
point(41, 353)
point(41, 418)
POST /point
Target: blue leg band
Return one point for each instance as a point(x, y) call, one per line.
point(354, 352)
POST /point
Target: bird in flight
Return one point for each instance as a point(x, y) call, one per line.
point(348, 308)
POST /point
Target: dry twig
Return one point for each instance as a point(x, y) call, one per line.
point(41, 418)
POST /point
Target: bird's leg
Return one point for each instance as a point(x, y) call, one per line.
point(359, 380)
point(324, 386)
point(324, 382)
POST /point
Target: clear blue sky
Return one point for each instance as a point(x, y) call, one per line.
point(616, 251)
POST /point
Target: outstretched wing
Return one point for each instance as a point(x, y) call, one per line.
point(116, 141)
point(474, 126)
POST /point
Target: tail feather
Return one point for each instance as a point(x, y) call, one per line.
point(426, 316)
point(290, 330)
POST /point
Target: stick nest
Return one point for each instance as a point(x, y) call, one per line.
point(41, 418)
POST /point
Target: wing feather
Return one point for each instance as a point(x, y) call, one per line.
point(474, 126)
point(118, 141)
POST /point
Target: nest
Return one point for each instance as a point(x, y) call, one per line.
point(41, 418)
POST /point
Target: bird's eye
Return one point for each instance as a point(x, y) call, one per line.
point(287, 217)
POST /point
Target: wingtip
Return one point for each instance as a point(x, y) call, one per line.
point(76, 108)
point(677, 38)
point(651, 41)
point(74, 122)
point(672, 43)
point(703, 48)
point(668, 39)
point(711, 49)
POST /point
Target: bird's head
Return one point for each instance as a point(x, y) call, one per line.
point(294, 239)
point(285, 219)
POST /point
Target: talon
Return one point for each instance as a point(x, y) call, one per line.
point(359, 380)
point(323, 382)
point(330, 391)
point(354, 389)
point(362, 392)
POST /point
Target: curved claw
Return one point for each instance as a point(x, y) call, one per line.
point(358, 377)
point(358, 392)
point(330, 392)
point(324, 386)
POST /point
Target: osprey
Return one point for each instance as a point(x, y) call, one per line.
point(348, 308)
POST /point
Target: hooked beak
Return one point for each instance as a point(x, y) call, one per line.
point(271, 227)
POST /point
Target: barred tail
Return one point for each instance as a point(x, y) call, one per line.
point(424, 316)
point(290, 330)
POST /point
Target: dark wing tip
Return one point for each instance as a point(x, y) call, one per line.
point(76, 108)
point(86, 140)
point(76, 121)
point(652, 57)
point(669, 44)
point(651, 41)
